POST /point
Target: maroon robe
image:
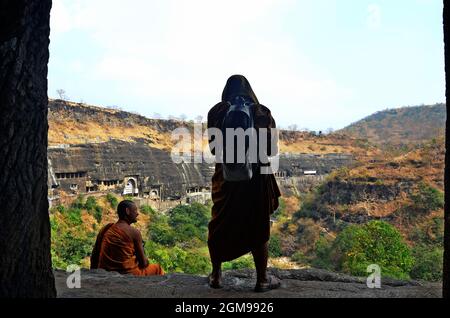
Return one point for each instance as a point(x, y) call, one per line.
point(241, 210)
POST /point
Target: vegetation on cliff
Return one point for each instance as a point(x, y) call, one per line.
point(177, 239)
point(386, 210)
point(400, 126)
point(344, 223)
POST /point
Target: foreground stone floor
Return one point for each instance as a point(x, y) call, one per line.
point(301, 283)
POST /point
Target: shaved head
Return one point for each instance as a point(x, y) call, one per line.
point(122, 208)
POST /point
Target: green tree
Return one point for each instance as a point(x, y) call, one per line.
point(161, 232)
point(112, 200)
point(242, 262)
point(275, 246)
point(189, 221)
point(322, 254)
point(98, 213)
point(74, 217)
point(428, 263)
point(196, 263)
point(147, 210)
point(171, 259)
point(376, 242)
point(78, 203)
point(428, 198)
point(90, 204)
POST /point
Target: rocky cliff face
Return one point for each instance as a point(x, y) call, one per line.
point(94, 165)
point(94, 149)
point(297, 164)
point(108, 117)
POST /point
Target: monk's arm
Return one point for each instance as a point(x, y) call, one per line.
point(265, 120)
point(215, 115)
point(272, 138)
point(95, 255)
point(139, 248)
point(97, 246)
point(211, 138)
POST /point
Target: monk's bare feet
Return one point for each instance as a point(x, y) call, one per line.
point(267, 284)
point(214, 280)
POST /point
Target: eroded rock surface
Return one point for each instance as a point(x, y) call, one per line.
point(303, 283)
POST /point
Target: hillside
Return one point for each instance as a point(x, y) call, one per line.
point(74, 123)
point(405, 192)
point(359, 192)
point(400, 126)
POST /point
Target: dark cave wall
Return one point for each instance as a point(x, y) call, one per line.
point(25, 263)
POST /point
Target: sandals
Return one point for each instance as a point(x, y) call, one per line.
point(272, 283)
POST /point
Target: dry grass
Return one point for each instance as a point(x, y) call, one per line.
point(90, 124)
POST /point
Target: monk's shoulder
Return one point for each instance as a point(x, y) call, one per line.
point(105, 228)
point(135, 233)
point(216, 112)
point(263, 110)
point(217, 108)
point(263, 117)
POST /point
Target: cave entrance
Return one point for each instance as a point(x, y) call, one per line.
point(130, 187)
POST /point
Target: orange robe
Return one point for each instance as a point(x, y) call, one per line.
point(114, 251)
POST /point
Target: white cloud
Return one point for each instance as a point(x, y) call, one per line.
point(374, 17)
point(179, 54)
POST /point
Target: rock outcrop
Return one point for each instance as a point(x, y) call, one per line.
point(115, 161)
point(303, 283)
point(94, 149)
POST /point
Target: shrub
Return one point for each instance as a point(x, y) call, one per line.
point(189, 221)
point(281, 211)
point(196, 263)
point(61, 209)
point(428, 263)
point(112, 200)
point(78, 203)
point(429, 233)
point(170, 259)
point(275, 246)
point(376, 242)
point(428, 198)
point(71, 247)
point(98, 213)
point(147, 210)
point(242, 262)
point(308, 232)
point(322, 254)
point(299, 257)
point(161, 232)
point(90, 204)
point(339, 174)
point(74, 217)
point(310, 207)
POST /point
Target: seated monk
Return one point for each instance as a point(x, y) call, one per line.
point(119, 246)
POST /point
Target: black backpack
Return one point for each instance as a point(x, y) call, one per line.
point(239, 115)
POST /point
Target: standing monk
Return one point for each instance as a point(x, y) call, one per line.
point(241, 210)
point(119, 246)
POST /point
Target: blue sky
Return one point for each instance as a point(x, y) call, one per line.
point(314, 63)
